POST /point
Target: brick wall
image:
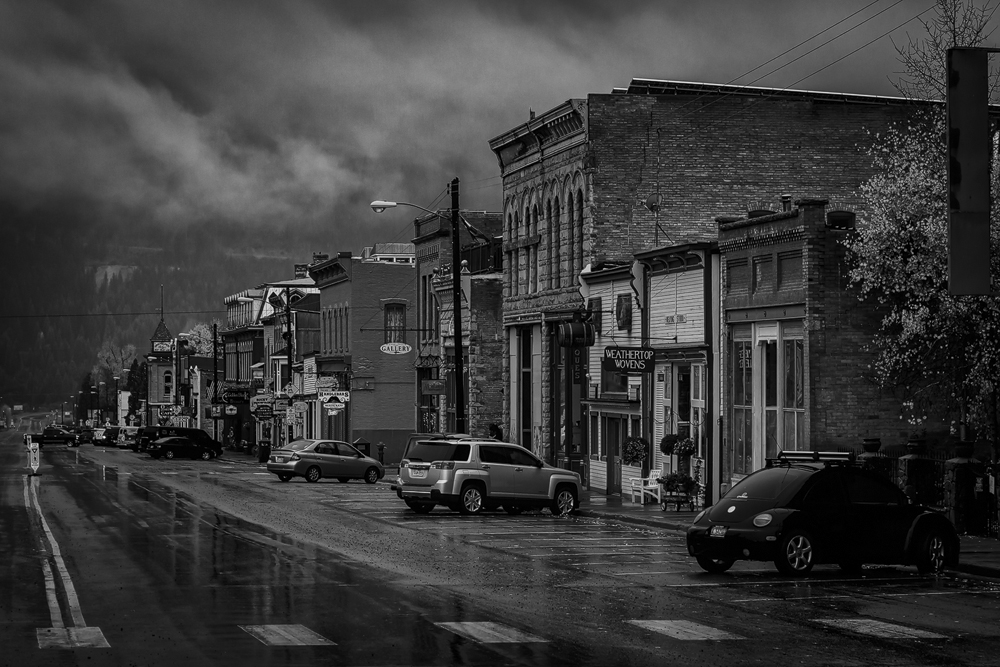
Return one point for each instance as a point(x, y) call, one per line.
point(710, 155)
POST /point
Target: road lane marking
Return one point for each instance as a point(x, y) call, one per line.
point(487, 632)
point(71, 638)
point(59, 636)
point(685, 630)
point(881, 629)
point(806, 598)
point(286, 635)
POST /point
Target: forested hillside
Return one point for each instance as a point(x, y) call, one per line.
point(64, 290)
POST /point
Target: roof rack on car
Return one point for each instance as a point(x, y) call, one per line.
point(828, 458)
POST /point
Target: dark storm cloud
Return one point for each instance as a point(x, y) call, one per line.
point(276, 113)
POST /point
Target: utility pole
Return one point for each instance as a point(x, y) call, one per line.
point(215, 380)
point(456, 288)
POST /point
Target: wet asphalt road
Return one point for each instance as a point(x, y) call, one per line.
point(133, 561)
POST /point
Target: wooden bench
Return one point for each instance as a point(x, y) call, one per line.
point(645, 487)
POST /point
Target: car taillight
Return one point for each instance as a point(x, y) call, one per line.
point(294, 457)
point(762, 520)
point(443, 465)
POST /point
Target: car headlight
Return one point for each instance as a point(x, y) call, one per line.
point(762, 520)
point(700, 514)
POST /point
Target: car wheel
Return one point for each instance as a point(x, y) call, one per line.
point(564, 502)
point(169, 453)
point(935, 551)
point(472, 501)
point(513, 510)
point(313, 474)
point(284, 478)
point(206, 455)
point(714, 565)
point(796, 553)
point(344, 480)
point(371, 475)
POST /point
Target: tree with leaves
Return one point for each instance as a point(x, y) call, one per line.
point(941, 352)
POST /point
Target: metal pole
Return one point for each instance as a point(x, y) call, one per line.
point(456, 280)
point(215, 380)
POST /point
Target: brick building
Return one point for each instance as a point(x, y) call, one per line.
point(597, 181)
point(367, 345)
point(482, 322)
point(794, 358)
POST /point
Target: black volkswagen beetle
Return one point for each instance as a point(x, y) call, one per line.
point(806, 508)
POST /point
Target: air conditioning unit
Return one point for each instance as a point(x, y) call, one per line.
point(633, 392)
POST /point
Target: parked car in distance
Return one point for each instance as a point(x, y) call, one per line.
point(150, 433)
point(807, 508)
point(178, 446)
point(52, 435)
point(130, 440)
point(315, 459)
point(469, 475)
point(84, 434)
point(108, 436)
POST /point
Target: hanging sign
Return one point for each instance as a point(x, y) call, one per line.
point(342, 396)
point(300, 406)
point(396, 348)
point(335, 405)
point(628, 359)
point(231, 410)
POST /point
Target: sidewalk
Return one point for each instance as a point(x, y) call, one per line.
point(979, 555)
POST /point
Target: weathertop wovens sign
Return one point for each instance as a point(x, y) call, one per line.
point(628, 359)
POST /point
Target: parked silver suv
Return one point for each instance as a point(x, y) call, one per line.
point(471, 474)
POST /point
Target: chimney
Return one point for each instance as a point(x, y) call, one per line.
point(786, 202)
point(320, 257)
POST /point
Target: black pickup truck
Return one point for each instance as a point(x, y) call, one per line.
point(52, 435)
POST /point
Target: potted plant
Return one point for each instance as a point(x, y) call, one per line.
point(667, 443)
point(677, 482)
point(635, 451)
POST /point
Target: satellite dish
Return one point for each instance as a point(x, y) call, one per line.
point(653, 202)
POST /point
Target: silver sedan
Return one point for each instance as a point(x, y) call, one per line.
point(315, 459)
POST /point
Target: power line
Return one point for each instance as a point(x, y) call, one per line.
point(134, 314)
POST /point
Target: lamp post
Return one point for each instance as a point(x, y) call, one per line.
point(102, 394)
point(456, 287)
point(90, 404)
point(62, 414)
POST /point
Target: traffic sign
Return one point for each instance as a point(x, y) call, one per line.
point(33, 456)
point(289, 389)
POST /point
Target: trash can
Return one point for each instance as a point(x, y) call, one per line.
point(263, 452)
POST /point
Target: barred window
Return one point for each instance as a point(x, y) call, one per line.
point(395, 323)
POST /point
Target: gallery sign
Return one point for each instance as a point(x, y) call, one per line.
point(628, 359)
point(396, 348)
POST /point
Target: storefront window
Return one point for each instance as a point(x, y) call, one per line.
point(742, 393)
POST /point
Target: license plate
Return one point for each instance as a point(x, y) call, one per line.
point(279, 459)
point(717, 531)
point(417, 474)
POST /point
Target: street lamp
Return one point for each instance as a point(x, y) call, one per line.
point(456, 284)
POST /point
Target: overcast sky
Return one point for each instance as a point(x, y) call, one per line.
point(184, 112)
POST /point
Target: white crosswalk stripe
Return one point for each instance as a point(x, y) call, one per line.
point(881, 629)
point(286, 635)
point(491, 633)
point(684, 630)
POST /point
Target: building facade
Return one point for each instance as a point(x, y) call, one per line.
point(599, 181)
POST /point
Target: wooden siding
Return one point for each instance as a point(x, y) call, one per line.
point(673, 297)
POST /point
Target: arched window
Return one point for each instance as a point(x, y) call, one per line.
point(533, 252)
point(515, 256)
point(556, 249)
point(570, 240)
point(579, 230)
point(550, 257)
